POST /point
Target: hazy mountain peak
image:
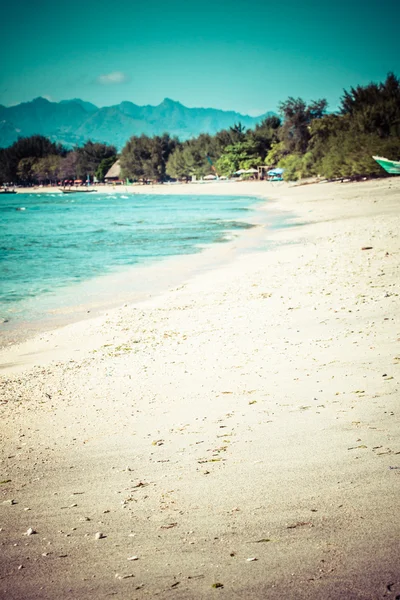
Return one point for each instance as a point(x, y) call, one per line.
point(170, 102)
point(88, 106)
point(73, 122)
point(39, 100)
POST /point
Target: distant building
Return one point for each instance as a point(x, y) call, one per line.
point(113, 174)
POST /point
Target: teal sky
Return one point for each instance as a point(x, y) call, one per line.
point(239, 56)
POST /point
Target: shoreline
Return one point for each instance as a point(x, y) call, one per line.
point(240, 428)
point(133, 188)
point(95, 296)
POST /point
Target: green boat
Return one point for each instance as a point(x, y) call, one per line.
point(390, 166)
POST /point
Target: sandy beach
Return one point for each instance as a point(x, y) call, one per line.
point(236, 436)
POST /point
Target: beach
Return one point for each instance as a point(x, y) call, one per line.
point(235, 435)
point(63, 258)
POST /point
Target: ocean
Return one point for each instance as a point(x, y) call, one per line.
point(55, 247)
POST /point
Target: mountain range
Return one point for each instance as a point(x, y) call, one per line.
point(73, 122)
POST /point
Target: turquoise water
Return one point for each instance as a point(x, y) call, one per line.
point(62, 240)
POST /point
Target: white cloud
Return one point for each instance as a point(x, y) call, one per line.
point(112, 78)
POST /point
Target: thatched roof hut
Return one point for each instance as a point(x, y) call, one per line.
point(114, 173)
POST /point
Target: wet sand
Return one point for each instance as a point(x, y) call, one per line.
point(135, 283)
point(236, 435)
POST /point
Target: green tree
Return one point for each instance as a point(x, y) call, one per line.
point(374, 108)
point(47, 169)
point(26, 170)
point(146, 158)
point(265, 135)
point(104, 167)
point(90, 156)
point(237, 132)
point(297, 166)
point(368, 124)
point(349, 154)
point(242, 155)
point(178, 165)
point(222, 139)
point(36, 146)
point(68, 166)
point(276, 153)
point(297, 118)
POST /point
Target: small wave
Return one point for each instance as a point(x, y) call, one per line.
point(244, 225)
point(32, 242)
point(238, 225)
point(224, 238)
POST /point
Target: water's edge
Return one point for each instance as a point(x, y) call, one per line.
point(138, 283)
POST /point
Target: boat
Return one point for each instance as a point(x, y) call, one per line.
point(390, 166)
point(7, 191)
point(84, 191)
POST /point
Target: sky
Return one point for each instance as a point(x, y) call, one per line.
point(237, 55)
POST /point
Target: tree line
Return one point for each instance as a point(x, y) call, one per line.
point(36, 159)
point(305, 140)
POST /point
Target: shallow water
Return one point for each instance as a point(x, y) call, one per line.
point(51, 242)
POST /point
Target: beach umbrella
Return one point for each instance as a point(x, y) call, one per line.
point(251, 171)
point(277, 171)
point(240, 172)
